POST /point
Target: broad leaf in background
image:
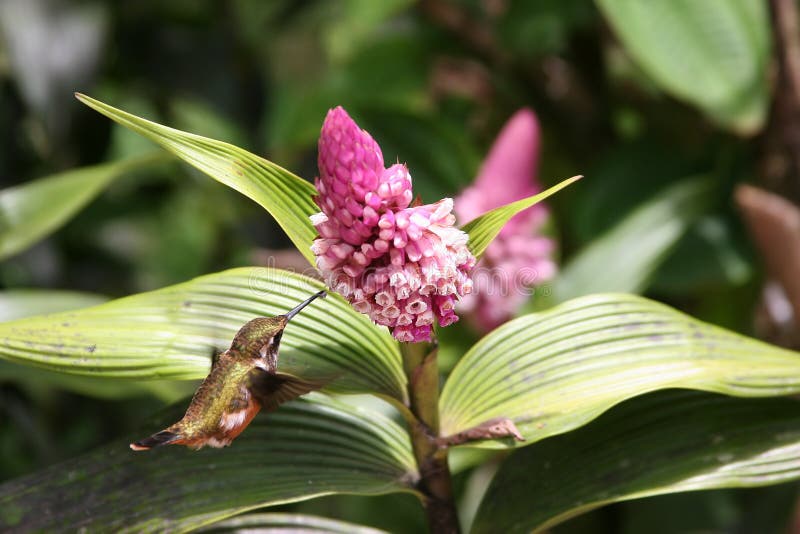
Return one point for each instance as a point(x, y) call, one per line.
point(713, 54)
point(554, 371)
point(629, 174)
point(710, 255)
point(287, 197)
point(305, 449)
point(662, 443)
point(19, 303)
point(625, 258)
point(485, 228)
point(172, 333)
point(286, 523)
point(31, 211)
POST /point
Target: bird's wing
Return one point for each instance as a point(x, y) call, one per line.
point(273, 389)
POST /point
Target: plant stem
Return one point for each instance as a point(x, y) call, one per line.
point(419, 361)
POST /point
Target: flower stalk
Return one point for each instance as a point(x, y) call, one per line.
point(405, 265)
point(420, 364)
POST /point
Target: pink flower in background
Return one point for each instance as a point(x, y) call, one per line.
point(518, 257)
point(404, 266)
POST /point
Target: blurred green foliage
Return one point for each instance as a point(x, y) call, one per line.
point(432, 81)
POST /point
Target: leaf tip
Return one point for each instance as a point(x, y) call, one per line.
point(84, 99)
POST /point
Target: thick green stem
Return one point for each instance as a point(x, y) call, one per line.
point(419, 361)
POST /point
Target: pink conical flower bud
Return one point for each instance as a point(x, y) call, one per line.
point(403, 266)
point(518, 258)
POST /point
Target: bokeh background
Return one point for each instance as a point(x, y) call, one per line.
point(703, 100)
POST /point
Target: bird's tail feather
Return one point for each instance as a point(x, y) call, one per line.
point(165, 437)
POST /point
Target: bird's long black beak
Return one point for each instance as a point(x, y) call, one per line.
point(303, 304)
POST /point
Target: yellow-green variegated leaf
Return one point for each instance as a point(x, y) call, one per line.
point(19, 303)
point(32, 210)
point(305, 449)
point(172, 333)
point(666, 442)
point(553, 371)
point(287, 197)
point(485, 228)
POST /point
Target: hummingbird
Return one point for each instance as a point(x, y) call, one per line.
point(243, 380)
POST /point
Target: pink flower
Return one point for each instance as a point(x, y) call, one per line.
point(518, 258)
point(404, 266)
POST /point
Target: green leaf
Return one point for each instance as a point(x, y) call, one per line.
point(713, 254)
point(663, 443)
point(287, 197)
point(303, 450)
point(18, 303)
point(554, 371)
point(32, 210)
point(286, 523)
point(172, 333)
point(637, 245)
point(713, 54)
point(485, 228)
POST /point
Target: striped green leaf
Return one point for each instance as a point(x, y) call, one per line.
point(287, 523)
point(172, 333)
point(554, 371)
point(18, 303)
point(287, 197)
point(32, 210)
point(714, 54)
point(485, 228)
point(306, 449)
point(661, 443)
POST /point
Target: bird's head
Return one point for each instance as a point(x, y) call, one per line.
point(260, 338)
